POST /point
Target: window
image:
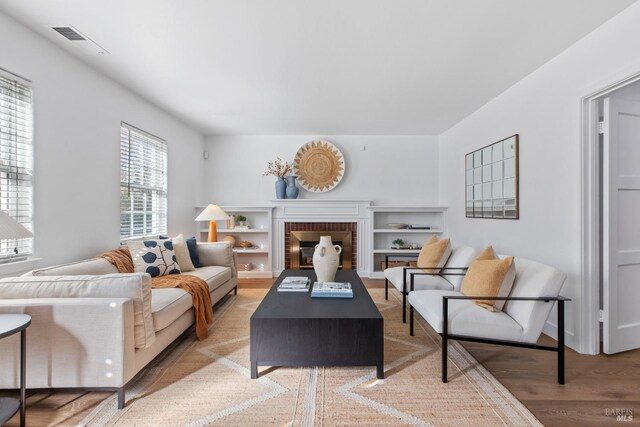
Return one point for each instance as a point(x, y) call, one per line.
point(143, 183)
point(16, 160)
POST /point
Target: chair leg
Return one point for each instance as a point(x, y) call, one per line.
point(121, 402)
point(235, 290)
point(386, 288)
point(404, 305)
point(560, 342)
point(445, 332)
point(410, 320)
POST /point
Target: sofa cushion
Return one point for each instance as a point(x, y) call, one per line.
point(214, 275)
point(420, 282)
point(192, 245)
point(167, 305)
point(182, 253)
point(465, 316)
point(96, 266)
point(134, 285)
point(155, 257)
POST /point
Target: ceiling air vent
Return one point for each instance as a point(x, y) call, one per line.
point(80, 41)
point(69, 33)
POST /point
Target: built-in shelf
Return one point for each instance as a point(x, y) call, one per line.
point(250, 251)
point(234, 231)
point(407, 230)
point(396, 251)
point(259, 217)
point(382, 236)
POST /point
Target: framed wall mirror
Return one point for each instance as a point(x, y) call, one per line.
point(492, 181)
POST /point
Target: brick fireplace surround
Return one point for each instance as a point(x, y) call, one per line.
point(321, 226)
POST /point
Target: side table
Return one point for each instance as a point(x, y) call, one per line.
point(9, 325)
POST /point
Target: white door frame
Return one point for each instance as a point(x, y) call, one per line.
point(590, 218)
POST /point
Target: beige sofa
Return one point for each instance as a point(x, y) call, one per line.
point(95, 328)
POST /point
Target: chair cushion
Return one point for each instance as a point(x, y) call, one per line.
point(214, 275)
point(434, 254)
point(461, 257)
point(421, 282)
point(465, 317)
point(167, 305)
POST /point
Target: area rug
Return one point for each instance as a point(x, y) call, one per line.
point(207, 383)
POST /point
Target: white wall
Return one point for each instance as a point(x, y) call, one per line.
point(545, 109)
point(77, 135)
point(391, 170)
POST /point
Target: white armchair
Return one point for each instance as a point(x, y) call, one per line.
point(457, 316)
point(450, 277)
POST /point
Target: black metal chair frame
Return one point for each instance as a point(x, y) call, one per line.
point(446, 336)
point(420, 272)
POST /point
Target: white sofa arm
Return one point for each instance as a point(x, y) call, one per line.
point(71, 342)
point(217, 253)
point(135, 286)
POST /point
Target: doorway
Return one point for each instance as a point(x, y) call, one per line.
point(611, 231)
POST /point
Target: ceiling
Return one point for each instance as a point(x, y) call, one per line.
point(318, 67)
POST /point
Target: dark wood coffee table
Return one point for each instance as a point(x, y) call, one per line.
point(293, 329)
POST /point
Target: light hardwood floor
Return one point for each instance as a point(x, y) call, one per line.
point(594, 384)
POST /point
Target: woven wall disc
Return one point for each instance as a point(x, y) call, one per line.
point(319, 165)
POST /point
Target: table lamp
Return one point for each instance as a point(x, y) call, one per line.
point(12, 229)
point(212, 213)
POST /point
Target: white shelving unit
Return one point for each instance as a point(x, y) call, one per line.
point(382, 235)
point(259, 219)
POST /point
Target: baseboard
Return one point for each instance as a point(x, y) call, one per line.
point(570, 340)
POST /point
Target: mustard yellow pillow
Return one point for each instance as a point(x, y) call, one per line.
point(434, 255)
point(491, 277)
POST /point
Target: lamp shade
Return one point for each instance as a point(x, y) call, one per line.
point(212, 213)
point(12, 229)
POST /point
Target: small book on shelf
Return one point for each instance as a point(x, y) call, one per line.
point(332, 290)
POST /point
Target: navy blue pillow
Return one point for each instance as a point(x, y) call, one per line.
point(192, 245)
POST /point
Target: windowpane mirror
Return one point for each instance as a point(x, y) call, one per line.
point(491, 179)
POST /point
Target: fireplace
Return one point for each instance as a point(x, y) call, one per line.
point(301, 239)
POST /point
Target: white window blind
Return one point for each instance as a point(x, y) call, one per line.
point(16, 160)
point(143, 183)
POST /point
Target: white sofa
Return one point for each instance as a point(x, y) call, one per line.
point(520, 323)
point(95, 328)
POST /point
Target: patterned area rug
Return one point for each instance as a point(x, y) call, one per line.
point(207, 383)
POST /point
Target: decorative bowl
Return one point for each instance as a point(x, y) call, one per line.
point(397, 225)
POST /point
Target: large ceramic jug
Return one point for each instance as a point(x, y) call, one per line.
point(326, 258)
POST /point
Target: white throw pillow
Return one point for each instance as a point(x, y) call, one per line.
point(182, 253)
point(155, 257)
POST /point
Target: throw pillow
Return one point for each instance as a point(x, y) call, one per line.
point(434, 255)
point(489, 276)
point(193, 252)
point(155, 257)
point(182, 253)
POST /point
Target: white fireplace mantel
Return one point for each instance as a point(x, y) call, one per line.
point(322, 210)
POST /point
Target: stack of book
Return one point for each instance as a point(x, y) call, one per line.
point(294, 284)
point(332, 290)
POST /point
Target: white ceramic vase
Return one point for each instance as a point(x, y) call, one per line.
point(326, 258)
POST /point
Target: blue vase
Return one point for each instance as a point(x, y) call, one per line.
point(281, 188)
point(292, 189)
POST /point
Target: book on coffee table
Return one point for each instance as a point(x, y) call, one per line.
point(294, 284)
point(332, 290)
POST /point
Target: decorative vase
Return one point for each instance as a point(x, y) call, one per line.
point(292, 189)
point(281, 188)
point(326, 258)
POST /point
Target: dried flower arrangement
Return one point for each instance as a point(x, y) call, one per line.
point(277, 167)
